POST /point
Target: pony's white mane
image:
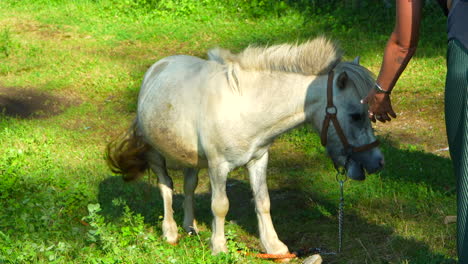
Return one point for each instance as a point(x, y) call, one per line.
point(314, 57)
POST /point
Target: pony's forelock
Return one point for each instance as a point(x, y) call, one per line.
point(362, 78)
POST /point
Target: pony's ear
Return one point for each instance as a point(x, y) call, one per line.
point(341, 80)
point(356, 60)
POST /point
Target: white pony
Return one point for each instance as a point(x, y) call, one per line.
point(225, 112)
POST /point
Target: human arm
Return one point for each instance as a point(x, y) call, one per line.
point(399, 50)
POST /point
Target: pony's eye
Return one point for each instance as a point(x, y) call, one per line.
point(356, 117)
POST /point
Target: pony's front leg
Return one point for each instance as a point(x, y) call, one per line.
point(190, 183)
point(268, 237)
point(165, 184)
point(219, 206)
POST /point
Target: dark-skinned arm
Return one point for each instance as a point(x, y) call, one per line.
point(399, 50)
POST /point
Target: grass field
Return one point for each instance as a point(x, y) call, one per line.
point(69, 76)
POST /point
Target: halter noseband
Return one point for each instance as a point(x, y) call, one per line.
point(330, 115)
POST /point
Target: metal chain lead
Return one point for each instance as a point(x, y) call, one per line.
point(340, 217)
point(341, 180)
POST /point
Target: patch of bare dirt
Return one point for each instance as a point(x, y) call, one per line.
point(30, 103)
point(137, 51)
point(43, 31)
point(422, 123)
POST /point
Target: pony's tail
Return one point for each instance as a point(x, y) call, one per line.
point(126, 154)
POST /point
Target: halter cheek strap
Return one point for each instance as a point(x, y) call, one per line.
point(331, 116)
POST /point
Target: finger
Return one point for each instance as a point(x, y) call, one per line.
point(386, 117)
point(392, 113)
point(380, 118)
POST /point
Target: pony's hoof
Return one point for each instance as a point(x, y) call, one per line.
point(172, 239)
point(277, 248)
point(217, 248)
point(192, 232)
point(170, 232)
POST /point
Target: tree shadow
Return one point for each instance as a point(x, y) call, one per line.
point(303, 218)
point(358, 32)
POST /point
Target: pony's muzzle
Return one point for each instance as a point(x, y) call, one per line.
point(360, 163)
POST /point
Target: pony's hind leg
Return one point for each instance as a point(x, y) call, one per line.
point(268, 237)
point(190, 184)
point(169, 226)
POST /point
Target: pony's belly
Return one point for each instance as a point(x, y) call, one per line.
point(178, 152)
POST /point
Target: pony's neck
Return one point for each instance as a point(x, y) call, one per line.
point(287, 101)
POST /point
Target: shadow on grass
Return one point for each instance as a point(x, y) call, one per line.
point(359, 33)
point(415, 166)
point(303, 218)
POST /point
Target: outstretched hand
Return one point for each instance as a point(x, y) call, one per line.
point(380, 106)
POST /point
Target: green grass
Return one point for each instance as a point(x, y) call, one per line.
point(61, 204)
